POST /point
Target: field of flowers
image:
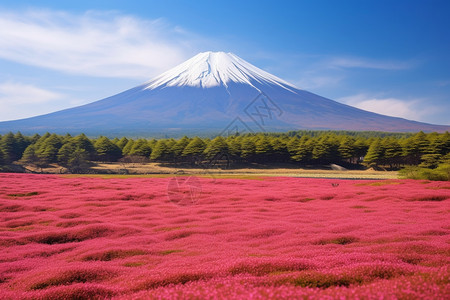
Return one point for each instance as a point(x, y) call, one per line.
point(254, 238)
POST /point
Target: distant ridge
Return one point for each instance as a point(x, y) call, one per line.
point(212, 93)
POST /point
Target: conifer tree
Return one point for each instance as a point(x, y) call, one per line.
point(140, 148)
point(216, 146)
point(179, 146)
point(48, 149)
point(195, 147)
point(9, 147)
point(248, 149)
point(375, 154)
point(122, 143)
point(127, 148)
point(161, 151)
point(107, 150)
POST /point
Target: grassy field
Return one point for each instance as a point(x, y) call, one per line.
point(277, 170)
point(274, 170)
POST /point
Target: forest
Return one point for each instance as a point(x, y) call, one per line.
point(378, 150)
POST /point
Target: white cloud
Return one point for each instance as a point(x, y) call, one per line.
point(313, 81)
point(354, 62)
point(19, 100)
point(16, 93)
point(408, 109)
point(94, 43)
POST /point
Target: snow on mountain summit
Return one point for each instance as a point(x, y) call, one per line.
point(210, 69)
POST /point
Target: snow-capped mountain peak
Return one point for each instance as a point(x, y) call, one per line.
point(210, 69)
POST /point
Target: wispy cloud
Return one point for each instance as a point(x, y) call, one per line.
point(355, 62)
point(107, 44)
point(18, 100)
point(313, 81)
point(325, 71)
point(408, 109)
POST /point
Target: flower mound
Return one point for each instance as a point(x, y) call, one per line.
point(93, 237)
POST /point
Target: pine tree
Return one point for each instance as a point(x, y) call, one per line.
point(303, 153)
point(179, 146)
point(140, 148)
point(215, 147)
point(160, 151)
point(65, 153)
point(29, 155)
point(127, 148)
point(122, 143)
point(393, 152)
point(21, 144)
point(279, 149)
point(263, 149)
point(34, 138)
point(375, 154)
point(293, 145)
point(48, 149)
point(2, 160)
point(107, 150)
point(347, 148)
point(195, 148)
point(234, 146)
point(361, 148)
point(66, 138)
point(86, 144)
point(326, 149)
point(79, 161)
point(9, 147)
point(248, 148)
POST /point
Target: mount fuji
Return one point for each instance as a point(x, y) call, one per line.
point(212, 93)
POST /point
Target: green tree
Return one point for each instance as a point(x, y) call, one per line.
point(180, 145)
point(279, 151)
point(293, 145)
point(2, 160)
point(73, 157)
point(66, 138)
point(48, 149)
point(375, 154)
point(21, 144)
point(361, 146)
point(65, 152)
point(216, 146)
point(34, 138)
point(127, 148)
point(393, 152)
point(303, 152)
point(248, 149)
point(161, 151)
point(122, 143)
point(326, 149)
point(195, 147)
point(9, 147)
point(234, 146)
point(30, 157)
point(140, 148)
point(414, 147)
point(347, 148)
point(107, 150)
point(79, 161)
point(263, 149)
point(86, 144)
point(430, 161)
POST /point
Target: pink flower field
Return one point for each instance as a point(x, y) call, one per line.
point(65, 237)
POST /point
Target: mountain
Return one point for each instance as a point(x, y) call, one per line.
point(212, 93)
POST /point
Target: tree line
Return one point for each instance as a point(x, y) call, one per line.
point(302, 147)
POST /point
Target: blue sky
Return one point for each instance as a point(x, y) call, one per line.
point(391, 57)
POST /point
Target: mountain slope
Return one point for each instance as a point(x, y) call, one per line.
point(212, 93)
